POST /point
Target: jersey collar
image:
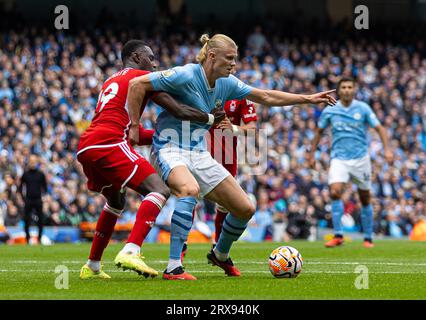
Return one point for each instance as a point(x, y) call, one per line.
point(206, 82)
point(346, 107)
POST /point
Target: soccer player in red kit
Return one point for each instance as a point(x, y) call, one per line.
point(240, 117)
point(111, 163)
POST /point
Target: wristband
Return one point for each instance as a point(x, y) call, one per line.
point(211, 119)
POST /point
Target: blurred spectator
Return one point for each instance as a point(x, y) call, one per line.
point(263, 216)
point(256, 42)
point(129, 214)
point(89, 215)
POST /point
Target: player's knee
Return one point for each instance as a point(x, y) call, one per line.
point(115, 199)
point(164, 191)
point(193, 191)
point(251, 210)
point(247, 211)
point(189, 190)
point(117, 203)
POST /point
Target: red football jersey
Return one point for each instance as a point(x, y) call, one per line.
point(237, 111)
point(111, 122)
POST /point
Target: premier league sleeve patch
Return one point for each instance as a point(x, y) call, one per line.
point(167, 73)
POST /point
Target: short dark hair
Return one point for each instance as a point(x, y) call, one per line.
point(345, 79)
point(130, 47)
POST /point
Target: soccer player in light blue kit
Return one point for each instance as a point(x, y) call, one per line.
point(349, 120)
point(179, 152)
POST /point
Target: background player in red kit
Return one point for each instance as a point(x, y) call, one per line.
point(240, 117)
point(237, 112)
point(111, 164)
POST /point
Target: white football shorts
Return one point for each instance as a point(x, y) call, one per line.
point(206, 170)
point(355, 170)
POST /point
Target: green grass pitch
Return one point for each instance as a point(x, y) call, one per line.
point(396, 270)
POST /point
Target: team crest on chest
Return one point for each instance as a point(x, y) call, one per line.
point(218, 103)
point(357, 116)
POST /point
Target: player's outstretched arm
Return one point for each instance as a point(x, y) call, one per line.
point(279, 98)
point(185, 112)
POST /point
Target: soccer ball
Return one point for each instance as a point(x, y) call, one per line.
point(285, 262)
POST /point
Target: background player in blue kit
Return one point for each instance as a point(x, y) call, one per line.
point(179, 152)
point(349, 120)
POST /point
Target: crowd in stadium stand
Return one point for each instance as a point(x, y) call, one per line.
point(49, 85)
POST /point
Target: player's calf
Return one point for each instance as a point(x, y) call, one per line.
point(104, 229)
point(180, 226)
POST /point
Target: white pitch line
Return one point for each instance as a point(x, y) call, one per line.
point(366, 263)
point(220, 272)
point(236, 261)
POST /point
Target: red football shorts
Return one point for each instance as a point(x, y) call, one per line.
point(117, 166)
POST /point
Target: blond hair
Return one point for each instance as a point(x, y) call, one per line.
point(217, 41)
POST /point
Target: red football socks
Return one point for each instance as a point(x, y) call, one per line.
point(145, 217)
point(218, 222)
point(103, 233)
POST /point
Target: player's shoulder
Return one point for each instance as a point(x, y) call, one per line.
point(137, 72)
point(361, 104)
point(183, 73)
point(126, 74)
point(231, 79)
point(188, 69)
point(231, 82)
point(328, 109)
point(134, 73)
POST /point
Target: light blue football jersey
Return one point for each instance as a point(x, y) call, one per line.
point(188, 84)
point(349, 128)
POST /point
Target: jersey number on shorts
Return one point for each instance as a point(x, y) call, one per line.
point(106, 95)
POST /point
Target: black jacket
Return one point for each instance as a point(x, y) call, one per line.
point(35, 184)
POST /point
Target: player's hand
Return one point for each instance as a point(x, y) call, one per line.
point(311, 160)
point(388, 155)
point(219, 114)
point(323, 97)
point(225, 124)
point(134, 134)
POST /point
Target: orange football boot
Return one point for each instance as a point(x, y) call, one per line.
point(368, 244)
point(178, 274)
point(336, 241)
